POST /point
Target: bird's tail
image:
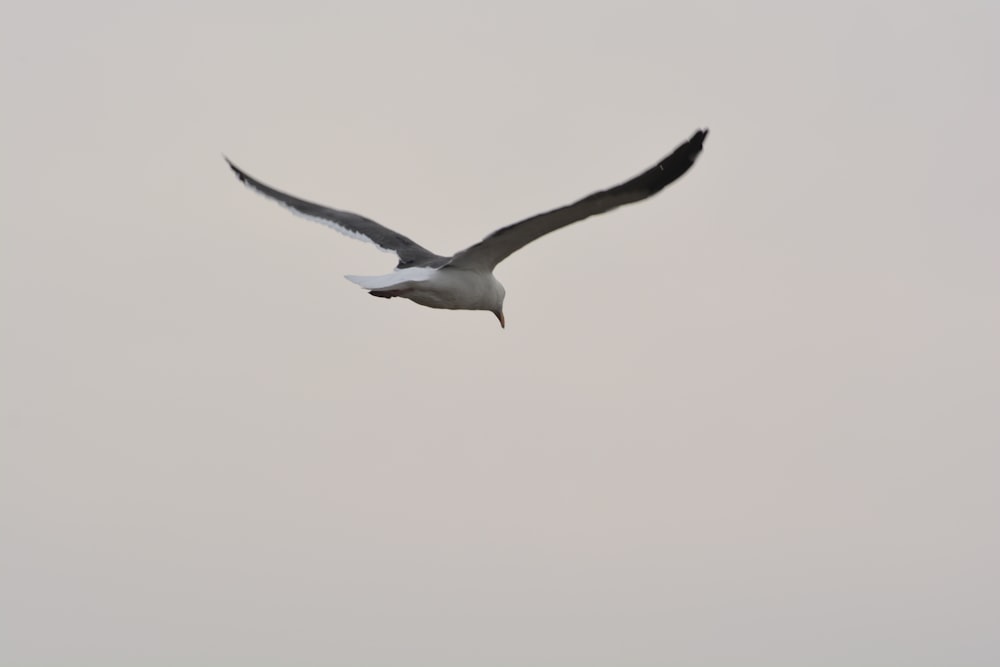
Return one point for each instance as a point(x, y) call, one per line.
point(394, 279)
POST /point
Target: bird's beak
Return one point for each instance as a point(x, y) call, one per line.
point(499, 314)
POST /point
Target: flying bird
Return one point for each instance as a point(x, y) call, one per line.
point(465, 280)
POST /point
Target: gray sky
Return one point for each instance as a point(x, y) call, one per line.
point(751, 421)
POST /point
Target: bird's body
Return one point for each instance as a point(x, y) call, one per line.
point(447, 287)
point(465, 281)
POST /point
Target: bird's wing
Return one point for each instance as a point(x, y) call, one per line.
point(500, 244)
point(351, 224)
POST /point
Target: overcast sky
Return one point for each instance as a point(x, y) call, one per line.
point(754, 420)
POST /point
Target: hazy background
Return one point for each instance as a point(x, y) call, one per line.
point(752, 421)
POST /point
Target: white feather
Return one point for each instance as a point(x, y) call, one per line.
point(412, 274)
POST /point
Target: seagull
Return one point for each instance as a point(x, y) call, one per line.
point(465, 280)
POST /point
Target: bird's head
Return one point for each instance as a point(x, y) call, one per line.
point(497, 306)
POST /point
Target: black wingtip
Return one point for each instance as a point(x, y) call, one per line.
point(236, 170)
point(698, 139)
point(674, 165)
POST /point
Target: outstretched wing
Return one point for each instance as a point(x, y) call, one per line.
point(351, 224)
point(500, 244)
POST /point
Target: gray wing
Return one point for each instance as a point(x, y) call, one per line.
point(496, 247)
point(351, 224)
